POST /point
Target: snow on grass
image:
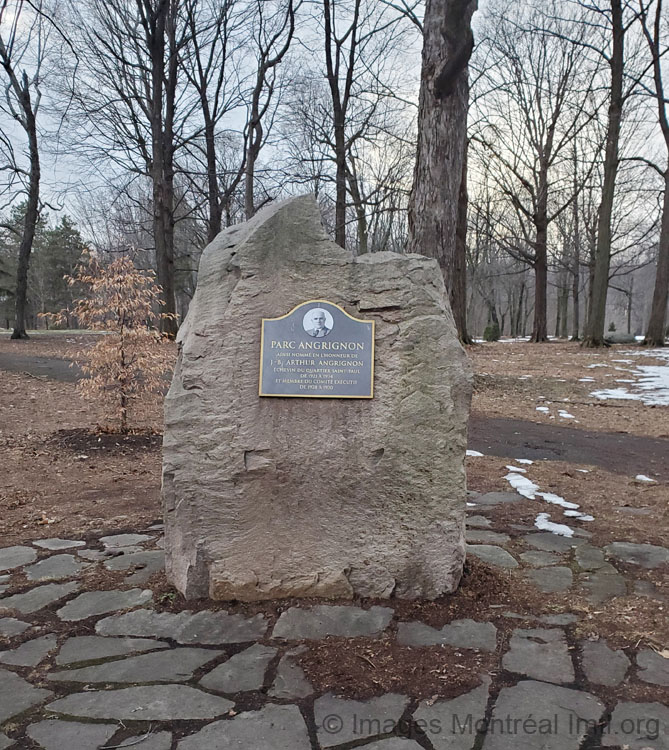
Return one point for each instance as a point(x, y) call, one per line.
point(598, 364)
point(651, 385)
point(544, 409)
point(522, 485)
point(524, 461)
point(586, 380)
point(578, 515)
point(638, 477)
point(565, 414)
point(474, 454)
point(584, 471)
point(553, 499)
point(516, 468)
point(543, 523)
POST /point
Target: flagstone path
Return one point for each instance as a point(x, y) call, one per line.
point(84, 669)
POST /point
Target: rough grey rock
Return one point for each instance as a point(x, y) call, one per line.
point(15, 557)
point(548, 542)
point(550, 580)
point(208, 628)
point(146, 564)
point(478, 522)
point(93, 554)
point(638, 726)
point(459, 634)
point(564, 618)
point(55, 544)
point(653, 667)
point(10, 626)
point(542, 717)
point(540, 654)
point(125, 540)
point(54, 568)
point(539, 559)
point(17, 695)
point(339, 720)
point(498, 498)
point(446, 723)
point(649, 589)
point(290, 682)
point(30, 653)
point(381, 511)
point(492, 555)
point(322, 620)
point(604, 584)
point(175, 665)
point(144, 703)
point(38, 597)
point(154, 741)
point(54, 734)
point(602, 665)
point(271, 728)
point(646, 555)
point(242, 672)
point(486, 537)
point(589, 558)
point(5, 742)
point(94, 603)
point(93, 647)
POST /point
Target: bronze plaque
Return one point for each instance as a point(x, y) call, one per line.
point(317, 350)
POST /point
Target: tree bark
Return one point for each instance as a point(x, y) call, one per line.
point(655, 333)
point(540, 326)
point(442, 124)
point(594, 335)
point(458, 290)
point(30, 222)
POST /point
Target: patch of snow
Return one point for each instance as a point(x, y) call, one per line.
point(638, 477)
point(473, 454)
point(543, 523)
point(578, 515)
point(545, 409)
point(621, 394)
point(625, 380)
point(522, 485)
point(549, 497)
point(516, 468)
point(586, 380)
point(598, 364)
point(524, 461)
point(624, 361)
point(471, 505)
point(565, 414)
point(584, 471)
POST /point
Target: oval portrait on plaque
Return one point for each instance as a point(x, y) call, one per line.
point(317, 322)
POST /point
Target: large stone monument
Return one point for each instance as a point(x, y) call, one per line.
point(361, 493)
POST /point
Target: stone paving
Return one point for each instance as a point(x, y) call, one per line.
point(86, 668)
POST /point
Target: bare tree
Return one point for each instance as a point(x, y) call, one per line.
point(442, 124)
point(538, 98)
point(656, 39)
point(133, 110)
point(272, 39)
point(22, 52)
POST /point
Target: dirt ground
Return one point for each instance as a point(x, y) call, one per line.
point(62, 478)
point(513, 379)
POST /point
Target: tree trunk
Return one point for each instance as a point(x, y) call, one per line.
point(540, 326)
point(29, 225)
point(252, 151)
point(442, 123)
point(655, 333)
point(594, 335)
point(162, 167)
point(458, 290)
point(214, 199)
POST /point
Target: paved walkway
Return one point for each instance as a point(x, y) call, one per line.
point(102, 668)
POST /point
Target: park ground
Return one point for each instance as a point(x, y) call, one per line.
point(563, 425)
